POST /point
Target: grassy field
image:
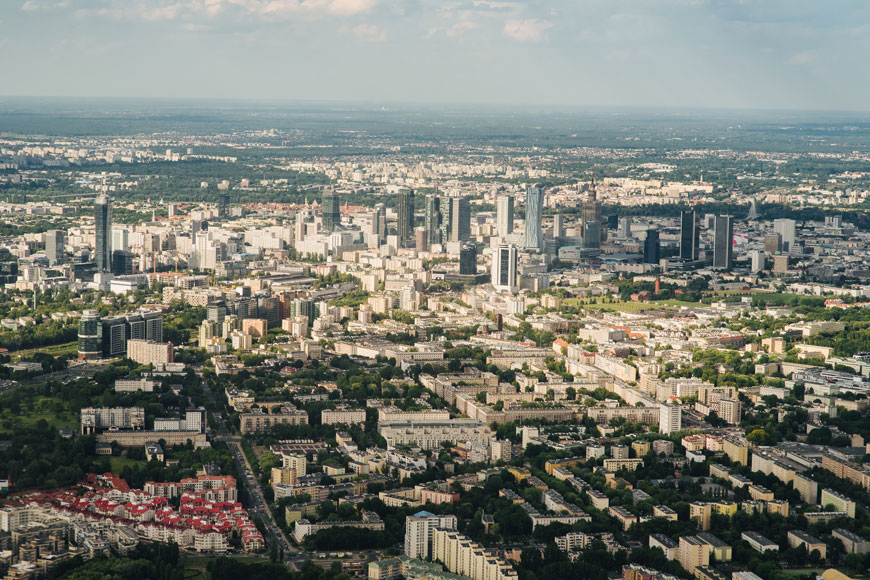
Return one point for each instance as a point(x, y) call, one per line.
point(632, 306)
point(44, 408)
point(119, 463)
point(53, 350)
point(195, 566)
point(801, 571)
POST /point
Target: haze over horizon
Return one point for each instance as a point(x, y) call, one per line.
point(743, 54)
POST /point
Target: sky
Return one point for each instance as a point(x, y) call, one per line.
point(755, 54)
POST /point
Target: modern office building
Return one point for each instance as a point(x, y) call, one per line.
point(103, 233)
point(405, 224)
point(224, 205)
point(504, 268)
point(90, 337)
point(624, 228)
point(468, 261)
point(54, 242)
point(652, 247)
point(433, 220)
point(331, 210)
point(534, 211)
point(723, 239)
point(504, 210)
point(690, 235)
point(459, 223)
point(590, 220)
point(786, 230)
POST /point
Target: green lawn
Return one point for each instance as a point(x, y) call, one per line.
point(54, 350)
point(119, 463)
point(802, 571)
point(43, 408)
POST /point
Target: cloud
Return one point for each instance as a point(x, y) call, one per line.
point(369, 33)
point(528, 30)
point(310, 8)
point(43, 5)
point(191, 27)
point(802, 58)
point(453, 31)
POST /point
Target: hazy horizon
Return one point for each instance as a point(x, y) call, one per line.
point(698, 54)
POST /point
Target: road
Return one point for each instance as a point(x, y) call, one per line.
point(273, 534)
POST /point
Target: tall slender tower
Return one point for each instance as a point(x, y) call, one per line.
point(534, 211)
point(723, 239)
point(504, 207)
point(103, 233)
point(433, 219)
point(405, 225)
point(689, 235)
point(590, 220)
point(331, 210)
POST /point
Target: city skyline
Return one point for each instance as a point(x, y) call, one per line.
point(667, 53)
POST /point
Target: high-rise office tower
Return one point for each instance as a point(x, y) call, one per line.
point(690, 235)
point(772, 243)
point(590, 220)
point(103, 233)
point(534, 211)
point(224, 205)
point(504, 268)
point(331, 211)
point(757, 257)
point(558, 225)
point(122, 262)
point(651, 247)
point(381, 221)
point(433, 219)
point(468, 260)
point(723, 238)
point(54, 241)
point(624, 228)
point(120, 239)
point(786, 230)
point(504, 211)
point(460, 220)
point(405, 226)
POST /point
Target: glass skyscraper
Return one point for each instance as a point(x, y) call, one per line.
point(534, 211)
point(103, 233)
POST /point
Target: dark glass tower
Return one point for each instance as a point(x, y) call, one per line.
point(651, 247)
point(723, 238)
point(405, 226)
point(331, 211)
point(689, 235)
point(103, 233)
point(433, 219)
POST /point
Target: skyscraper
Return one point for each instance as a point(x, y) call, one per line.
point(689, 235)
point(786, 230)
point(460, 220)
point(468, 260)
point(331, 211)
point(405, 226)
point(558, 225)
point(224, 205)
point(103, 233)
point(504, 268)
point(624, 228)
point(381, 221)
point(590, 220)
point(651, 247)
point(433, 219)
point(534, 211)
point(723, 238)
point(504, 209)
point(54, 241)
